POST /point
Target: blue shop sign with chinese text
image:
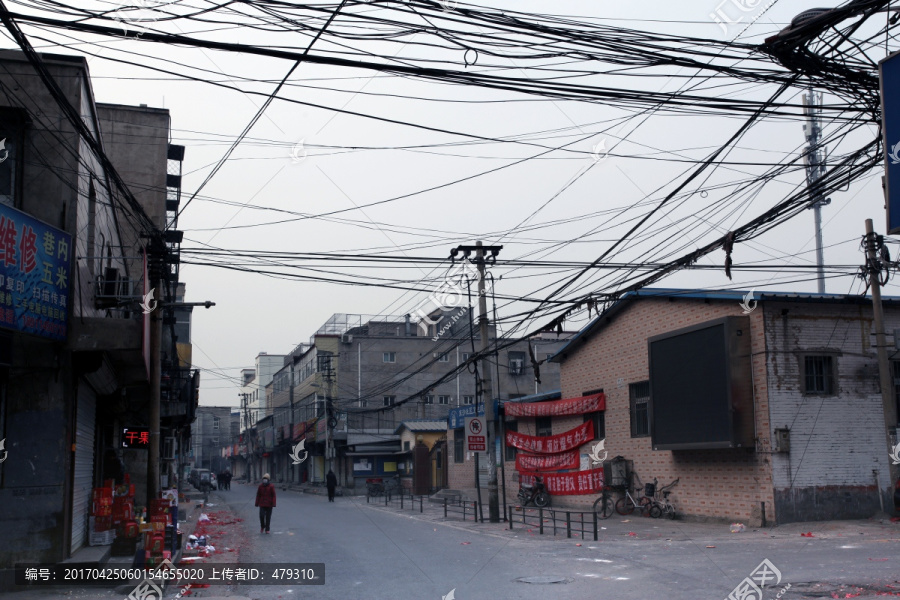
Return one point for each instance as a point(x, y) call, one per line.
point(457, 416)
point(34, 275)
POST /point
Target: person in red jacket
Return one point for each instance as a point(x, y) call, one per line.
point(265, 500)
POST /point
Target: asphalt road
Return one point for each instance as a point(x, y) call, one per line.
point(377, 553)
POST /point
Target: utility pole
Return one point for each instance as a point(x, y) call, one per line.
point(873, 270)
point(155, 381)
point(815, 170)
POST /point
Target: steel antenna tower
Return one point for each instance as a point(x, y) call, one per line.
point(814, 158)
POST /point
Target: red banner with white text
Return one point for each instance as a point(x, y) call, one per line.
point(568, 484)
point(556, 408)
point(550, 462)
point(551, 444)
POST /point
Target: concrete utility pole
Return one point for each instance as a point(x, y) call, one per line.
point(884, 367)
point(487, 390)
point(815, 169)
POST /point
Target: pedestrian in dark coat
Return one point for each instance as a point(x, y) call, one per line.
point(227, 479)
point(330, 483)
point(265, 500)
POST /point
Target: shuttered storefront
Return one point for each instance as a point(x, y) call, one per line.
point(84, 464)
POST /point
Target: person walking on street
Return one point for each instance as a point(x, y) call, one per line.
point(227, 479)
point(330, 483)
point(265, 500)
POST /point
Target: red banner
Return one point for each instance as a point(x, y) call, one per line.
point(556, 408)
point(537, 462)
point(551, 444)
point(568, 484)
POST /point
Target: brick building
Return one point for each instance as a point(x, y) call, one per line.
point(774, 415)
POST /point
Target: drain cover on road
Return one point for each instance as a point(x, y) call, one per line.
point(543, 579)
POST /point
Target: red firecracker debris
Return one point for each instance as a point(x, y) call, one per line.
point(807, 534)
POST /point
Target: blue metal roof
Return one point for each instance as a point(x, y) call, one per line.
point(730, 295)
point(551, 395)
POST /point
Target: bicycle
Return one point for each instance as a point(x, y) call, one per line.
point(627, 503)
point(664, 507)
point(604, 505)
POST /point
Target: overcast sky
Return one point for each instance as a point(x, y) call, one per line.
point(347, 161)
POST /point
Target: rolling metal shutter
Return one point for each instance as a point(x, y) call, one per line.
point(84, 464)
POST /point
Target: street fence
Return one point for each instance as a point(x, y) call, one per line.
point(570, 521)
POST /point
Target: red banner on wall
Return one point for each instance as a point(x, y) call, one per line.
point(556, 408)
point(537, 462)
point(568, 484)
point(551, 444)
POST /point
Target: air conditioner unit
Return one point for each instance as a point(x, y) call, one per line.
point(168, 452)
point(346, 338)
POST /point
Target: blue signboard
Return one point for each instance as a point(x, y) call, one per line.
point(34, 275)
point(457, 416)
point(890, 113)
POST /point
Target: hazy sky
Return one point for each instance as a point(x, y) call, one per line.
point(347, 161)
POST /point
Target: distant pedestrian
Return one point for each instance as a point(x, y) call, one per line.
point(265, 500)
point(330, 483)
point(227, 479)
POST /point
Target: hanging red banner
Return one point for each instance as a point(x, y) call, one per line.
point(551, 444)
point(556, 408)
point(537, 462)
point(568, 484)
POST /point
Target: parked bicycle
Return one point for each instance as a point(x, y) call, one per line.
point(393, 486)
point(664, 506)
point(604, 505)
point(534, 493)
point(627, 503)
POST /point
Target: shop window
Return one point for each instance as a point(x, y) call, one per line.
point(639, 395)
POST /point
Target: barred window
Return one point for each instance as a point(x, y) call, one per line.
point(639, 394)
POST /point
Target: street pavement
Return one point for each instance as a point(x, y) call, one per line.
point(375, 552)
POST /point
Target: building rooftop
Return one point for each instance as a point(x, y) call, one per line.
point(424, 425)
point(719, 295)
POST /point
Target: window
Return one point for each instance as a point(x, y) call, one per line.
point(598, 418)
point(516, 363)
point(406, 446)
point(443, 399)
point(468, 399)
point(818, 375)
point(466, 356)
point(639, 394)
point(459, 445)
point(511, 450)
point(543, 427)
point(896, 370)
point(389, 357)
point(363, 403)
point(215, 441)
point(389, 400)
point(91, 226)
point(215, 422)
point(429, 399)
point(444, 358)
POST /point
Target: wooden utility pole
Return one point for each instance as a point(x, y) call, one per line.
point(889, 405)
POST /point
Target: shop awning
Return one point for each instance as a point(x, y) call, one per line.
point(556, 408)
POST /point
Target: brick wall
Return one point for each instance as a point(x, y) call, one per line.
point(724, 484)
point(836, 440)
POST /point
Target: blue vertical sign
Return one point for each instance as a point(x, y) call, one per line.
point(34, 275)
point(889, 69)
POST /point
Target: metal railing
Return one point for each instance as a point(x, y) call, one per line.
point(571, 521)
point(461, 506)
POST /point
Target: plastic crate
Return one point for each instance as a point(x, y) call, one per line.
point(102, 538)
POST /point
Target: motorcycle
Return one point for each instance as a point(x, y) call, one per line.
point(534, 493)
